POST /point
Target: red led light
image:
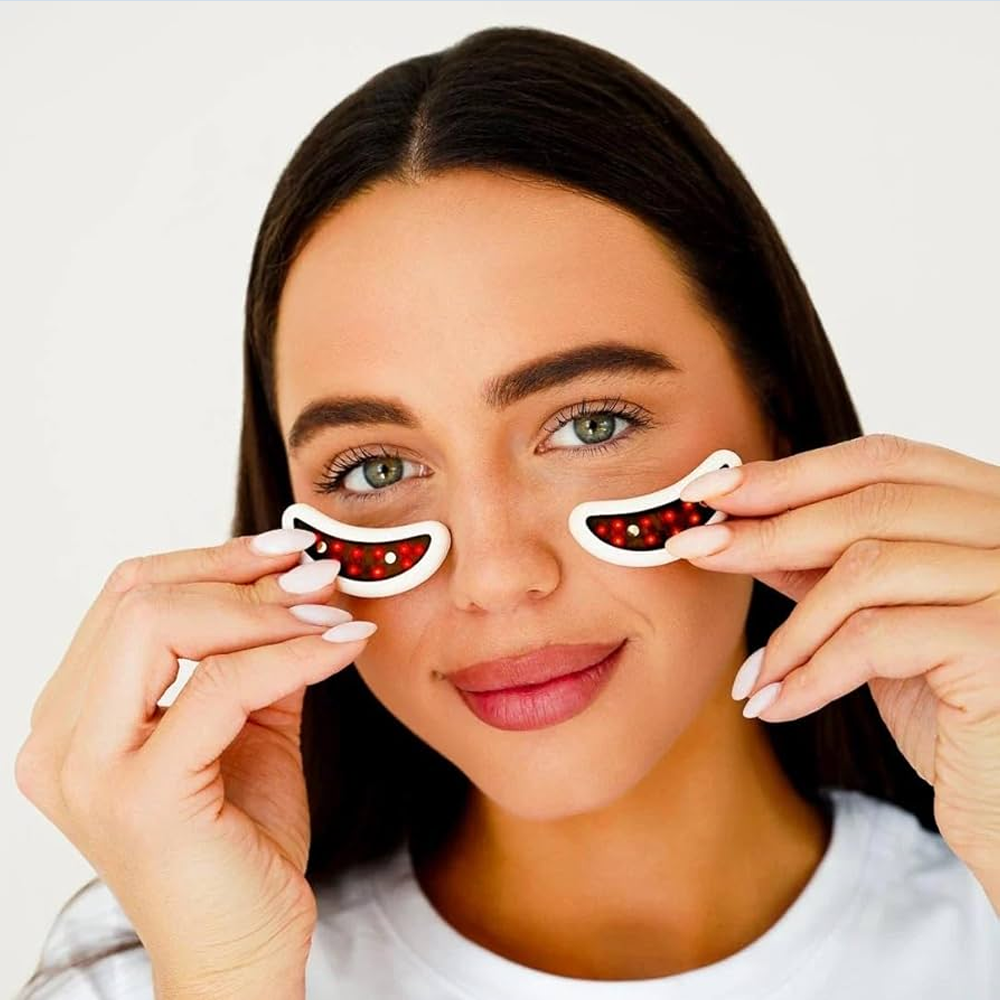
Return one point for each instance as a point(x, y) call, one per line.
point(651, 540)
point(601, 529)
point(370, 560)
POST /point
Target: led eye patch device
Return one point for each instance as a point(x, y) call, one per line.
point(374, 562)
point(381, 562)
point(633, 531)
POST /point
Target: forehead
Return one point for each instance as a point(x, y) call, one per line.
point(462, 275)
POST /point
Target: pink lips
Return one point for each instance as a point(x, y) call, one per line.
point(534, 706)
point(535, 667)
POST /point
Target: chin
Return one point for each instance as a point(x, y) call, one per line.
point(565, 774)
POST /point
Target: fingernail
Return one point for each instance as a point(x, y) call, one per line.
point(281, 541)
point(762, 700)
point(320, 614)
point(747, 675)
point(349, 631)
point(713, 484)
point(701, 541)
point(310, 576)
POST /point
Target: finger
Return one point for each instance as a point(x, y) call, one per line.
point(313, 581)
point(817, 534)
point(153, 625)
point(942, 643)
point(214, 705)
point(874, 573)
point(234, 560)
point(769, 487)
point(794, 583)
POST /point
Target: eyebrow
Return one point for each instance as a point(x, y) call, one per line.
point(595, 361)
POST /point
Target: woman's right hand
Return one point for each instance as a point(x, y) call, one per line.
point(195, 815)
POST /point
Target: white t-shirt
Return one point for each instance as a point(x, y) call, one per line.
point(890, 913)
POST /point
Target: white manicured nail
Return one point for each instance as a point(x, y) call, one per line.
point(310, 576)
point(713, 484)
point(320, 614)
point(349, 631)
point(705, 540)
point(281, 541)
point(747, 675)
point(763, 699)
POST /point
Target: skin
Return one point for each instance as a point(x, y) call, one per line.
point(654, 832)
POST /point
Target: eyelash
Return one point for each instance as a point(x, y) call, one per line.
point(341, 467)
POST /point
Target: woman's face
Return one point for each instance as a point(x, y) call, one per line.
point(423, 295)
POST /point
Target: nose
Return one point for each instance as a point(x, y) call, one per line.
point(504, 547)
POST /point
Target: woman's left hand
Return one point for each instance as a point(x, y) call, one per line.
point(891, 549)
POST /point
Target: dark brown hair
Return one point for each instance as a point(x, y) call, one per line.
point(528, 102)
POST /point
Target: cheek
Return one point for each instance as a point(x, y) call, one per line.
point(704, 610)
point(398, 660)
point(691, 646)
point(699, 632)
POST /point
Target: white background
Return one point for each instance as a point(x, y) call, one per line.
point(141, 141)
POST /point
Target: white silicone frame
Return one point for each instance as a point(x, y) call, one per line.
point(437, 548)
point(634, 505)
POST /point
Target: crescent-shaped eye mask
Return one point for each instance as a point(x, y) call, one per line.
point(374, 562)
point(381, 562)
point(633, 531)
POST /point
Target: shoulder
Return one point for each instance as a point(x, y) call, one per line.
point(915, 859)
point(357, 947)
point(91, 922)
point(916, 877)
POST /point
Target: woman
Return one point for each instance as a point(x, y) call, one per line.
point(494, 282)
